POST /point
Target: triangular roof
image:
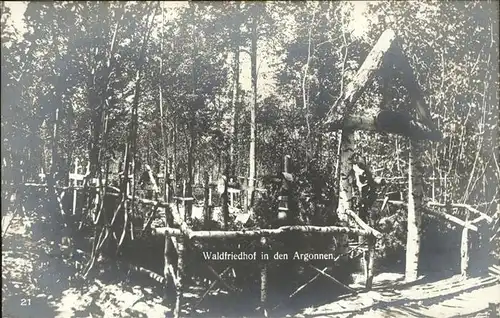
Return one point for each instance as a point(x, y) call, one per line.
point(387, 121)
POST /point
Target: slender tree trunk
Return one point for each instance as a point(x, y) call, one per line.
point(235, 98)
point(133, 127)
point(98, 97)
point(174, 156)
point(43, 148)
point(55, 160)
point(164, 138)
point(189, 189)
point(236, 115)
point(253, 109)
point(54, 176)
point(194, 105)
point(54, 140)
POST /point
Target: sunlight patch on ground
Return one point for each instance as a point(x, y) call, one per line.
point(443, 298)
point(112, 300)
point(17, 265)
point(24, 259)
point(17, 15)
point(37, 273)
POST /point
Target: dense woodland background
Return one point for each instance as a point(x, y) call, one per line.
point(184, 85)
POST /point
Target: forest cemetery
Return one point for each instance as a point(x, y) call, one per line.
point(334, 159)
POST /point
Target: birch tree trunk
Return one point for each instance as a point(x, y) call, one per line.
point(233, 151)
point(55, 164)
point(464, 249)
point(364, 75)
point(55, 160)
point(415, 195)
point(164, 137)
point(253, 109)
point(194, 104)
point(345, 188)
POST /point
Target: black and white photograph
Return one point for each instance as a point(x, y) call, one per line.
point(250, 159)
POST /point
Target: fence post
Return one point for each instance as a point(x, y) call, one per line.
point(232, 198)
point(184, 207)
point(75, 184)
point(225, 207)
point(263, 280)
point(464, 248)
point(415, 194)
point(206, 199)
point(210, 191)
point(167, 251)
point(345, 193)
point(285, 195)
point(180, 277)
point(369, 260)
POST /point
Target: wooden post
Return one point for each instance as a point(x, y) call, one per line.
point(184, 188)
point(286, 167)
point(206, 200)
point(197, 174)
point(160, 176)
point(433, 185)
point(245, 195)
point(210, 204)
point(42, 176)
point(166, 186)
point(369, 261)
point(415, 194)
point(345, 190)
point(225, 208)
point(75, 184)
point(492, 310)
point(263, 280)
point(366, 72)
point(371, 65)
point(127, 192)
point(169, 182)
point(231, 199)
point(189, 205)
point(97, 195)
point(464, 248)
point(184, 206)
point(166, 262)
point(446, 188)
point(285, 196)
point(180, 277)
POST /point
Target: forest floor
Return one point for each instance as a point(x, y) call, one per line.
point(38, 280)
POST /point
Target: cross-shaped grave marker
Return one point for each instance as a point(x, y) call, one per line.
point(387, 49)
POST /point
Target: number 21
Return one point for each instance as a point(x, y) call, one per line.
point(25, 302)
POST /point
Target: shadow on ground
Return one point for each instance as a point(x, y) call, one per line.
point(40, 277)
